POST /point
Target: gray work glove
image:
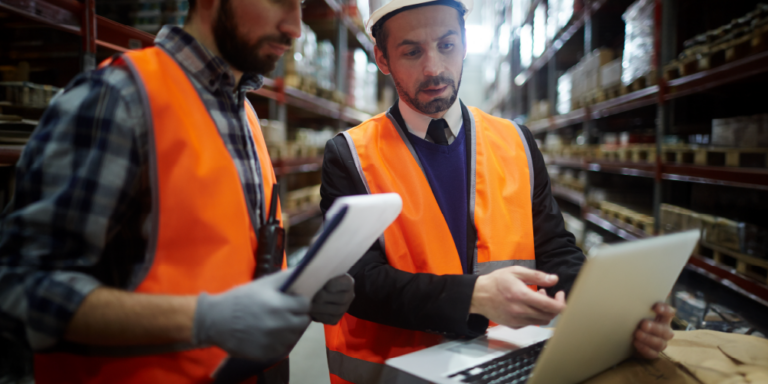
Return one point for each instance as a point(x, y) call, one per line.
point(254, 321)
point(333, 300)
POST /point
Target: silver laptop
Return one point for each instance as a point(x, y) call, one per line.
point(614, 291)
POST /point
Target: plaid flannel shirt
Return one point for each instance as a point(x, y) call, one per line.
point(79, 216)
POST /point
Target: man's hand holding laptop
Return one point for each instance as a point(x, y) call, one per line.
point(503, 297)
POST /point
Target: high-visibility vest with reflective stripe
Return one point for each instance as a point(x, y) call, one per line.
point(501, 188)
point(202, 240)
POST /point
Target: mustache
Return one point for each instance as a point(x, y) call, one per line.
point(281, 39)
point(436, 81)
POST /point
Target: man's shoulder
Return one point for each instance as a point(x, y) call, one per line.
point(115, 80)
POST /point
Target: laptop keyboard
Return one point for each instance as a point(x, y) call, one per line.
point(513, 368)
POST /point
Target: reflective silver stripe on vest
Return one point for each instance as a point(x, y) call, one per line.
point(472, 142)
point(152, 232)
point(527, 154)
point(359, 371)
point(356, 159)
point(490, 266)
point(354, 370)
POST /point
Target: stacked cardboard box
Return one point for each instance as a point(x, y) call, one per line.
point(741, 132)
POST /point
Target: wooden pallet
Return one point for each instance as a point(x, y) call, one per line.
point(610, 93)
point(302, 198)
point(616, 212)
point(759, 41)
point(714, 156)
point(638, 84)
point(635, 153)
point(747, 265)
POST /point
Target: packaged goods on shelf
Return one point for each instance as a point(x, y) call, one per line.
point(45, 10)
point(292, 150)
point(175, 12)
point(564, 89)
point(364, 82)
point(741, 132)
point(314, 137)
point(526, 45)
point(592, 240)
point(520, 9)
point(739, 38)
point(300, 66)
point(559, 13)
point(273, 131)
point(610, 75)
point(540, 110)
point(19, 72)
point(638, 41)
point(539, 30)
point(149, 15)
point(573, 225)
point(302, 198)
point(592, 63)
point(326, 65)
point(640, 221)
point(740, 237)
point(26, 94)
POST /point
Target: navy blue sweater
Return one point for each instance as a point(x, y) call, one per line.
point(446, 169)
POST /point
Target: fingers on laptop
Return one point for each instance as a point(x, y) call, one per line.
point(651, 338)
point(664, 313)
point(533, 277)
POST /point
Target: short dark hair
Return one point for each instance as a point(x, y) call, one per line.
point(192, 4)
point(381, 35)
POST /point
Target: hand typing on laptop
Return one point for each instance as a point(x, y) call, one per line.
point(503, 297)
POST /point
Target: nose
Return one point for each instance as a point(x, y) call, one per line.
point(433, 65)
point(291, 23)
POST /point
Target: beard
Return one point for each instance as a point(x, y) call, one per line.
point(433, 106)
point(236, 50)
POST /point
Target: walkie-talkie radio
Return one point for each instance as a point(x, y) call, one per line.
point(271, 245)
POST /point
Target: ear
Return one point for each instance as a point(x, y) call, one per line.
point(381, 61)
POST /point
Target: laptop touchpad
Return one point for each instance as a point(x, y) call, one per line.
point(481, 346)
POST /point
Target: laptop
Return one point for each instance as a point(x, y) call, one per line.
point(614, 291)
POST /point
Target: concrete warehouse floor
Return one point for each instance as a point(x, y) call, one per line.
point(308, 362)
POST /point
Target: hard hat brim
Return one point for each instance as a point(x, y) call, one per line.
point(394, 5)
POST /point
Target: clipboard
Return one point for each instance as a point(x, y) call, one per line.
point(353, 224)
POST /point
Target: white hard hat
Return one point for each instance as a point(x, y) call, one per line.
point(381, 8)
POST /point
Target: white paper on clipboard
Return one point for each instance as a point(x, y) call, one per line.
point(366, 218)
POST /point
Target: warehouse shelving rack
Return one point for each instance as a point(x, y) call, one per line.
point(543, 70)
point(272, 100)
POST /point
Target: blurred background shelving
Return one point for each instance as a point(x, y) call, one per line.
point(650, 113)
point(651, 118)
point(325, 84)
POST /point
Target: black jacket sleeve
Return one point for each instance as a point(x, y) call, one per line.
point(386, 295)
point(556, 250)
point(432, 303)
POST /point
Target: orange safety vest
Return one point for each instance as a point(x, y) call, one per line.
point(202, 240)
point(501, 181)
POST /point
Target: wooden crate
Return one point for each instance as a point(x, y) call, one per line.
point(715, 156)
point(641, 222)
point(759, 40)
point(302, 198)
point(747, 265)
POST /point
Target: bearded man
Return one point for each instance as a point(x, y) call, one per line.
point(127, 255)
point(480, 237)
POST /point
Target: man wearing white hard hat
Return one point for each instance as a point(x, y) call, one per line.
point(480, 238)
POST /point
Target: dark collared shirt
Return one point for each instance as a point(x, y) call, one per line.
point(82, 197)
